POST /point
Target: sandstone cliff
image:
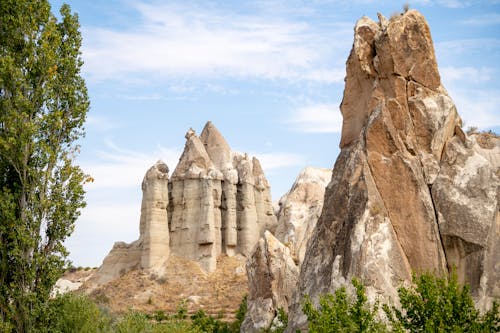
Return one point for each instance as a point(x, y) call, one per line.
point(216, 202)
point(410, 192)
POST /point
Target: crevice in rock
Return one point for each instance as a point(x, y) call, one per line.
point(438, 228)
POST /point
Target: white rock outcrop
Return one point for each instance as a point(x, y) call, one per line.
point(216, 202)
point(300, 209)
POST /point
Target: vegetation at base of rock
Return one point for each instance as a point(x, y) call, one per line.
point(436, 304)
point(43, 106)
point(432, 304)
point(70, 313)
point(342, 313)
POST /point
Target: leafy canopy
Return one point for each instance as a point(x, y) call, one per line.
point(43, 105)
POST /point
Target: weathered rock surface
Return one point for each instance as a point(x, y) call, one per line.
point(465, 194)
point(300, 209)
point(410, 192)
point(272, 276)
point(216, 202)
point(151, 250)
point(273, 267)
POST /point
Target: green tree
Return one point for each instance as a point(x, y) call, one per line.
point(341, 313)
point(438, 304)
point(43, 104)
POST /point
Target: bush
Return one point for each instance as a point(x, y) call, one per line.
point(209, 324)
point(133, 322)
point(341, 313)
point(440, 305)
point(75, 313)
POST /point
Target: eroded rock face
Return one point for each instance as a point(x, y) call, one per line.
point(272, 276)
point(273, 267)
point(151, 250)
point(221, 201)
point(300, 209)
point(465, 194)
point(216, 201)
point(406, 177)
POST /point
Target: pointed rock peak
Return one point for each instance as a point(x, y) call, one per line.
point(406, 49)
point(190, 133)
point(216, 146)
point(194, 161)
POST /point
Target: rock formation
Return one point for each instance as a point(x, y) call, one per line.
point(151, 250)
point(272, 276)
point(410, 192)
point(216, 202)
point(273, 267)
point(300, 209)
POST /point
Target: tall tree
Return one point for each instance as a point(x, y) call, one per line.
point(43, 105)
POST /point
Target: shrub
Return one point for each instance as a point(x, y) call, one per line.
point(75, 313)
point(133, 322)
point(437, 304)
point(209, 324)
point(341, 313)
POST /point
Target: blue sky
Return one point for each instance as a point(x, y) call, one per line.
point(268, 74)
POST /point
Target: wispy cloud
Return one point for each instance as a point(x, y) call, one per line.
point(468, 74)
point(181, 40)
point(278, 160)
point(478, 108)
point(321, 118)
point(482, 20)
point(118, 168)
point(101, 124)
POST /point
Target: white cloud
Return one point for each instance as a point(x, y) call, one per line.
point(277, 160)
point(478, 108)
point(454, 3)
point(321, 118)
point(486, 19)
point(100, 123)
point(120, 168)
point(174, 41)
point(468, 74)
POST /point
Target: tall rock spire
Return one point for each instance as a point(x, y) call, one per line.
point(401, 198)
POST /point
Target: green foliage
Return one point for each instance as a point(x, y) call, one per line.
point(182, 310)
point(341, 313)
point(43, 104)
point(240, 314)
point(440, 305)
point(133, 322)
point(210, 324)
point(280, 323)
point(73, 313)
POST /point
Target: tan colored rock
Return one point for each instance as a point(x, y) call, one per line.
point(122, 258)
point(151, 250)
point(272, 276)
point(154, 233)
point(401, 138)
point(300, 209)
